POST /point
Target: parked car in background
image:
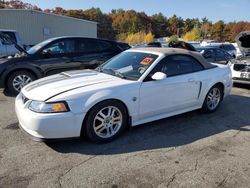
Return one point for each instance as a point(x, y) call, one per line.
point(238, 52)
point(241, 69)
point(6, 46)
point(195, 44)
point(151, 44)
point(182, 45)
point(207, 42)
point(154, 44)
point(227, 47)
point(134, 87)
point(54, 56)
point(217, 55)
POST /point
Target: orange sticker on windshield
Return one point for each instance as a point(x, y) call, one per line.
point(146, 61)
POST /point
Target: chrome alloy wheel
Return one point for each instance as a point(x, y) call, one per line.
point(20, 81)
point(107, 122)
point(213, 98)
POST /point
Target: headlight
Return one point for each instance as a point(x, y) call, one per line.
point(42, 107)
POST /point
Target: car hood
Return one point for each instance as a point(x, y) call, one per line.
point(48, 87)
point(243, 42)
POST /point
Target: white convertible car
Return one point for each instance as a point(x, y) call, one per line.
point(135, 87)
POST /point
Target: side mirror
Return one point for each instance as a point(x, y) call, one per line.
point(159, 76)
point(46, 53)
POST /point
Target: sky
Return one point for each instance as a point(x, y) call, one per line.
point(214, 10)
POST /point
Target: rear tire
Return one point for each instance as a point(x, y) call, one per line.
point(17, 80)
point(105, 121)
point(213, 99)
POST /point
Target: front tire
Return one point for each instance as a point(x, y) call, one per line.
point(106, 121)
point(213, 99)
point(17, 80)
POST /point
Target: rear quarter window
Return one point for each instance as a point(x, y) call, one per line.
point(104, 46)
point(188, 63)
point(11, 35)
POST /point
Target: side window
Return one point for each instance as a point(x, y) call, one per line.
point(61, 47)
point(228, 56)
point(231, 47)
point(11, 35)
point(222, 47)
point(208, 54)
point(92, 46)
point(105, 46)
point(177, 65)
point(220, 55)
point(227, 47)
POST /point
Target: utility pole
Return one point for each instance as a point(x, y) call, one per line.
point(178, 32)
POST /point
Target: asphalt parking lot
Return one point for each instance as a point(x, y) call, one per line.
point(188, 150)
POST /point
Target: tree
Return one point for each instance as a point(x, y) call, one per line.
point(159, 25)
point(149, 38)
point(194, 35)
point(119, 23)
point(175, 25)
point(136, 38)
point(16, 4)
point(217, 31)
point(130, 21)
point(239, 27)
point(205, 30)
point(173, 38)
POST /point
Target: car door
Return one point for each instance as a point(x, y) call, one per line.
point(179, 91)
point(93, 52)
point(57, 57)
point(209, 55)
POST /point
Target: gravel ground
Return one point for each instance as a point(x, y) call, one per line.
point(188, 150)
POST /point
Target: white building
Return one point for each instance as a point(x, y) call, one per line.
point(36, 26)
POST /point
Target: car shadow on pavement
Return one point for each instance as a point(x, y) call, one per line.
point(170, 132)
point(8, 94)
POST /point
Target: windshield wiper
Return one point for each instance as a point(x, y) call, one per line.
point(117, 73)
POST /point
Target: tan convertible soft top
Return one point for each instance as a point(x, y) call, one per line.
point(172, 51)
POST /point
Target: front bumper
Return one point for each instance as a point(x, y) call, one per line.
point(241, 80)
point(48, 126)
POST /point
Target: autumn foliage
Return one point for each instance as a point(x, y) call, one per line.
point(137, 27)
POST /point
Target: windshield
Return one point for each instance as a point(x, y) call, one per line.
point(196, 45)
point(129, 65)
point(37, 47)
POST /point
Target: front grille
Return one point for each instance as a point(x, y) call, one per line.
point(242, 67)
point(243, 79)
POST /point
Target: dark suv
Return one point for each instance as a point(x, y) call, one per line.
point(227, 47)
point(216, 55)
point(54, 56)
